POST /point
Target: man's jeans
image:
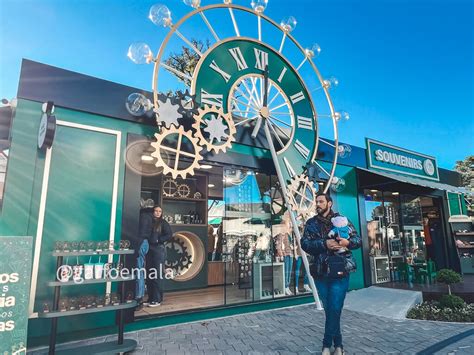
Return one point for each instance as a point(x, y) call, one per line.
point(140, 287)
point(332, 293)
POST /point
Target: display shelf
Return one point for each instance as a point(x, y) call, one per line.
point(466, 247)
point(89, 282)
point(92, 253)
point(464, 234)
point(184, 199)
point(187, 225)
point(57, 314)
point(110, 347)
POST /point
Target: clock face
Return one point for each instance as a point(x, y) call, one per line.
point(231, 76)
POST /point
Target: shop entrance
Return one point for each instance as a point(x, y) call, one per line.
point(402, 229)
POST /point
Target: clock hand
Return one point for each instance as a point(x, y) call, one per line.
point(264, 113)
point(296, 230)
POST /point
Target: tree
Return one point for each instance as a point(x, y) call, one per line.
point(186, 60)
point(466, 169)
point(448, 277)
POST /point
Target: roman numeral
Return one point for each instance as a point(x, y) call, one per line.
point(290, 169)
point(239, 58)
point(283, 71)
point(297, 97)
point(300, 147)
point(225, 75)
point(261, 59)
point(211, 99)
point(304, 122)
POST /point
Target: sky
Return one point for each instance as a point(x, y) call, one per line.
point(405, 66)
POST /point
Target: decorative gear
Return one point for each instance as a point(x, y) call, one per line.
point(188, 106)
point(170, 187)
point(160, 145)
point(215, 128)
point(178, 257)
point(184, 190)
point(168, 111)
point(302, 196)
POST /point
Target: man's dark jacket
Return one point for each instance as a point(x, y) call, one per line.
point(314, 239)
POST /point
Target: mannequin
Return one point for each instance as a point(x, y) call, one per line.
point(284, 249)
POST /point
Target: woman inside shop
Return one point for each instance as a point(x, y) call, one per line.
point(159, 232)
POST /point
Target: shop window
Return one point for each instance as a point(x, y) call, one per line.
point(6, 113)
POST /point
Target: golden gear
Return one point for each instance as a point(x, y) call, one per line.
point(302, 196)
point(214, 130)
point(158, 146)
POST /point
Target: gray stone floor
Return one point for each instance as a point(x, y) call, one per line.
point(299, 330)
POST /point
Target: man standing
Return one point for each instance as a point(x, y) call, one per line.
point(330, 269)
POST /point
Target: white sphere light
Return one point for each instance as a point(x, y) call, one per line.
point(259, 5)
point(338, 184)
point(313, 51)
point(140, 53)
point(332, 82)
point(341, 115)
point(288, 24)
point(193, 3)
point(137, 104)
point(160, 15)
point(344, 150)
point(227, 2)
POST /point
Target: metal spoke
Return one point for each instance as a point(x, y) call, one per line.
point(244, 95)
point(209, 26)
point(301, 64)
point(245, 120)
point(250, 93)
point(274, 97)
point(246, 105)
point(282, 122)
point(320, 166)
point(328, 143)
point(277, 107)
point(282, 42)
point(177, 72)
point(188, 42)
point(236, 28)
point(282, 113)
point(279, 128)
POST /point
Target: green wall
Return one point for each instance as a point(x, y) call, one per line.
point(78, 205)
point(453, 202)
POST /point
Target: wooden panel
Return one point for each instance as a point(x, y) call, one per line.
point(215, 273)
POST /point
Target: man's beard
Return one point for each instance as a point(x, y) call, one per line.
point(321, 211)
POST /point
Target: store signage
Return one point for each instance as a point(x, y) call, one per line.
point(47, 127)
point(402, 161)
point(15, 275)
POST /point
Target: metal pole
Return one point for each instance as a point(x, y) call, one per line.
point(292, 216)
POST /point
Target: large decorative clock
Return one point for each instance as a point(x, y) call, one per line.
point(243, 79)
point(254, 85)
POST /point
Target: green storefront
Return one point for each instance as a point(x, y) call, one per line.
point(93, 182)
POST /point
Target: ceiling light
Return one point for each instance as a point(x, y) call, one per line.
point(374, 190)
point(206, 166)
point(395, 193)
point(147, 158)
point(211, 185)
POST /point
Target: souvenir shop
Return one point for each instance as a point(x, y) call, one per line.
point(231, 248)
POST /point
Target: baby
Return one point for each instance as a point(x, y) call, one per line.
point(341, 229)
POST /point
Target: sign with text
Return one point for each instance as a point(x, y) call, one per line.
point(402, 161)
point(15, 276)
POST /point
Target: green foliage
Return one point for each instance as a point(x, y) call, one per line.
point(448, 277)
point(451, 301)
point(186, 60)
point(433, 311)
point(466, 169)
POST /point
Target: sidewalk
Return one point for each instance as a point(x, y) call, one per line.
point(299, 330)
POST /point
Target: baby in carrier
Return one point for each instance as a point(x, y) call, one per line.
point(340, 229)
